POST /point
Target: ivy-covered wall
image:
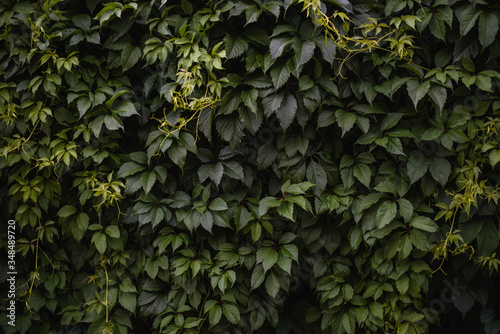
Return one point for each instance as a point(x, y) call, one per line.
point(223, 166)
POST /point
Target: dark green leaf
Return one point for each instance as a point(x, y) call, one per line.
point(386, 213)
point(440, 169)
point(304, 50)
point(424, 224)
point(280, 74)
point(130, 56)
point(468, 19)
point(363, 173)
point(417, 166)
point(286, 112)
point(232, 313)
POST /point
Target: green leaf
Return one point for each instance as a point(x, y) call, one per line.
point(405, 209)
point(148, 179)
point(390, 121)
point(419, 240)
point(483, 82)
point(438, 95)
point(377, 310)
point(151, 267)
point(83, 104)
point(187, 7)
point(345, 120)
point(291, 251)
point(468, 64)
point(127, 286)
point(82, 21)
point(304, 50)
point(313, 314)
point(268, 257)
point(178, 155)
point(437, 27)
point(369, 200)
point(280, 74)
point(113, 122)
point(386, 186)
point(83, 221)
point(467, 46)
point(362, 314)
point(417, 90)
point(125, 109)
point(232, 313)
point(99, 240)
point(230, 102)
point(266, 203)
point(266, 155)
point(286, 210)
point(363, 173)
point(494, 157)
point(249, 98)
point(278, 44)
point(258, 276)
point(402, 284)
point(347, 292)
point(404, 247)
point(386, 213)
point(234, 170)
point(272, 285)
point(317, 175)
point(327, 47)
point(113, 231)
point(218, 204)
point(305, 83)
point(431, 134)
point(129, 168)
point(424, 224)
point(252, 13)
point(130, 56)
point(417, 166)
point(286, 112)
point(207, 220)
point(235, 46)
point(419, 266)
point(440, 169)
point(468, 19)
point(230, 128)
point(66, 211)
point(394, 146)
point(215, 315)
point(128, 300)
point(487, 239)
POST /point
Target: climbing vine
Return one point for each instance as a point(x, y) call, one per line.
point(251, 166)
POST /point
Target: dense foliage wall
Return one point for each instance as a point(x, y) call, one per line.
point(260, 166)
